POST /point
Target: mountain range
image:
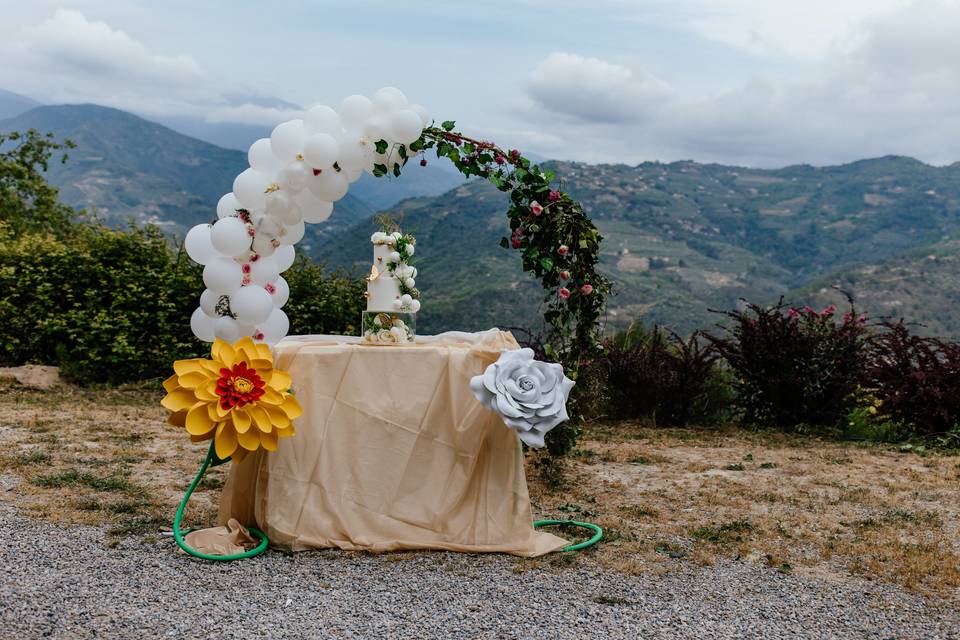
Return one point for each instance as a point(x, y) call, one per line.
point(680, 238)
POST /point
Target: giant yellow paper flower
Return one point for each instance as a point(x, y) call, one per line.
point(237, 398)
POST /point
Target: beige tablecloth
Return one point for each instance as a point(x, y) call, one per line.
point(392, 452)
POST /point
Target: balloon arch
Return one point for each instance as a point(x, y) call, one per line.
point(307, 164)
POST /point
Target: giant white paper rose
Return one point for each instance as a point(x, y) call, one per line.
point(530, 396)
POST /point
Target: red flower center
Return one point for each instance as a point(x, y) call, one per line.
point(239, 386)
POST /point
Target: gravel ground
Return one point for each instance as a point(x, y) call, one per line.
point(63, 582)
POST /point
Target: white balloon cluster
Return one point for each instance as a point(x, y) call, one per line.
point(295, 176)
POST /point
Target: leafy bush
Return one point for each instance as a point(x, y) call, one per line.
point(114, 306)
point(916, 379)
point(793, 368)
point(657, 374)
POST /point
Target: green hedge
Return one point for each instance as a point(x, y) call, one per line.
point(114, 306)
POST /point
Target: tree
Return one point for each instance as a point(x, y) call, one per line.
point(28, 203)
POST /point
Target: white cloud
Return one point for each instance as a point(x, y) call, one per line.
point(894, 90)
point(69, 58)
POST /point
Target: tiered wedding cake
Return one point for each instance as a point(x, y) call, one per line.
point(392, 297)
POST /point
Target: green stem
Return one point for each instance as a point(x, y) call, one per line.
point(178, 534)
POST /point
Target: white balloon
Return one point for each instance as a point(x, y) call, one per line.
point(323, 119)
point(261, 157)
point(228, 205)
point(284, 257)
point(280, 204)
point(252, 304)
point(281, 292)
point(275, 327)
point(414, 305)
point(208, 302)
point(202, 325)
point(249, 187)
point(330, 186)
point(287, 139)
point(293, 234)
point(422, 112)
point(405, 126)
point(267, 226)
point(229, 236)
point(263, 271)
point(389, 99)
point(377, 128)
point(321, 150)
point(354, 111)
point(318, 211)
point(356, 154)
point(227, 329)
point(198, 246)
point(353, 176)
point(294, 176)
point(222, 276)
point(263, 246)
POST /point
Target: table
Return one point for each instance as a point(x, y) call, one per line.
point(392, 452)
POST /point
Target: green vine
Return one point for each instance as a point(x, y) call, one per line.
point(559, 244)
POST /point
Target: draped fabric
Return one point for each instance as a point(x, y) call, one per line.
point(392, 452)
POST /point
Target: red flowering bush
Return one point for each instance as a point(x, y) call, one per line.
point(916, 379)
point(793, 367)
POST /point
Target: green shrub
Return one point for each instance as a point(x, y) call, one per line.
point(114, 306)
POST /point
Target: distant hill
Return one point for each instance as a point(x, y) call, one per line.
point(680, 238)
point(684, 237)
point(127, 168)
point(13, 104)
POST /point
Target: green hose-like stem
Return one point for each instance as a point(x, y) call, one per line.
point(597, 532)
point(178, 534)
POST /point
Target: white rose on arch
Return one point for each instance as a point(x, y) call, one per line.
point(530, 396)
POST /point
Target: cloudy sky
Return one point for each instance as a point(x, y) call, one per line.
point(755, 82)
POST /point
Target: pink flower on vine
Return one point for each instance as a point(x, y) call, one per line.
point(554, 196)
point(515, 239)
point(563, 250)
point(245, 268)
point(270, 288)
point(536, 208)
point(847, 317)
point(829, 310)
point(251, 232)
point(862, 319)
point(258, 335)
point(514, 155)
point(246, 280)
point(564, 292)
point(793, 313)
point(254, 257)
point(499, 159)
point(809, 309)
point(586, 289)
point(565, 275)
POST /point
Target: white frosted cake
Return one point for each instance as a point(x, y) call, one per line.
point(392, 296)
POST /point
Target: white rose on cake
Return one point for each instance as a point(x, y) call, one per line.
point(530, 396)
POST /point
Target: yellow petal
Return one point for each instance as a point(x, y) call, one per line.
point(223, 353)
point(261, 419)
point(179, 400)
point(263, 351)
point(193, 379)
point(291, 407)
point(225, 442)
point(221, 410)
point(241, 419)
point(205, 436)
point(280, 380)
point(183, 367)
point(249, 440)
point(271, 396)
point(239, 454)
point(207, 391)
point(269, 441)
point(286, 433)
point(198, 420)
point(278, 418)
point(170, 384)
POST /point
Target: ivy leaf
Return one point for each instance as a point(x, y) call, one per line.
point(448, 125)
point(381, 146)
point(379, 170)
point(396, 170)
point(403, 152)
point(547, 263)
point(504, 243)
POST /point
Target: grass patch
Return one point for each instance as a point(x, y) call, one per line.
point(32, 458)
point(115, 483)
point(724, 533)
